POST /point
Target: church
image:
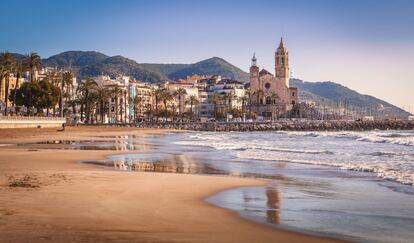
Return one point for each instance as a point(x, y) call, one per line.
point(271, 95)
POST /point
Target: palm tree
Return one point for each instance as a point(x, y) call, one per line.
point(244, 101)
point(125, 92)
point(3, 73)
point(66, 82)
point(136, 101)
point(32, 63)
point(73, 103)
point(9, 64)
point(19, 70)
point(180, 93)
point(115, 93)
point(192, 100)
point(148, 110)
point(157, 96)
point(229, 97)
point(249, 93)
point(215, 99)
point(165, 98)
point(93, 104)
point(86, 87)
point(55, 78)
point(102, 94)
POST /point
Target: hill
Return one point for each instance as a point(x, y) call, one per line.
point(331, 93)
point(74, 59)
point(91, 63)
point(164, 69)
point(211, 66)
point(119, 65)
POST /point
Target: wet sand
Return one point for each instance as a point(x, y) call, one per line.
point(46, 196)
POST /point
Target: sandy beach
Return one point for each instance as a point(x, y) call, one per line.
point(48, 196)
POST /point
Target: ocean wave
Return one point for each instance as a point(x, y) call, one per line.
point(394, 137)
point(389, 154)
point(243, 147)
point(395, 172)
point(374, 151)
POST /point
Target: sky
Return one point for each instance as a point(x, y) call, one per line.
point(366, 45)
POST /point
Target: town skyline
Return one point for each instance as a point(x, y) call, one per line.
point(370, 53)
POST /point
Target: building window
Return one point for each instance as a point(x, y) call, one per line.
point(293, 102)
point(112, 109)
point(267, 85)
point(268, 100)
point(293, 94)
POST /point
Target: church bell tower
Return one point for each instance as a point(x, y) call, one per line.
point(254, 74)
point(282, 63)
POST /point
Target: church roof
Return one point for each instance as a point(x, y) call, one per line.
point(264, 72)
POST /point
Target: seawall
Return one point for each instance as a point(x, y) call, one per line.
point(30, 122)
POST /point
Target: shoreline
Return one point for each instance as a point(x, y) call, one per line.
point(66, 203)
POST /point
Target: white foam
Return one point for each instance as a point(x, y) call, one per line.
point(388, 154)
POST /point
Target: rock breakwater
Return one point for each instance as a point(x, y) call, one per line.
point(290, 125)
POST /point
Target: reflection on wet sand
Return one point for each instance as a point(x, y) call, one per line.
point(273, 205)
point(117, 143)
point(169, 164)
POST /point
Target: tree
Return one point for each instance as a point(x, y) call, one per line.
point(148, 110)
point(86, 87)
point(41, 95)
point(165, 97)
point(55, 78)
point(9, 65)
point(229, 97)
point(49, 95)
point(73, 103)
point(192, 100)
point(244, 101)
point(157, 96)
point(80, 99)
point(180, 93)
point(66, 84)
point(32, 63)
point(249, 93)
point(102, 94)
point(115, 93)
point(136, 101)
point(215, 99)
point(19, 70)
point(3, 73)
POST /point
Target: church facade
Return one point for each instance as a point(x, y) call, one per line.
point(271, 95)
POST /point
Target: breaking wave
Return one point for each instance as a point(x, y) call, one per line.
point(388, 154)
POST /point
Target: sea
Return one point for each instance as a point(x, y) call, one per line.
point(356, 186)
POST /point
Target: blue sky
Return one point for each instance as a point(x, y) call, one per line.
point(367, 45)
